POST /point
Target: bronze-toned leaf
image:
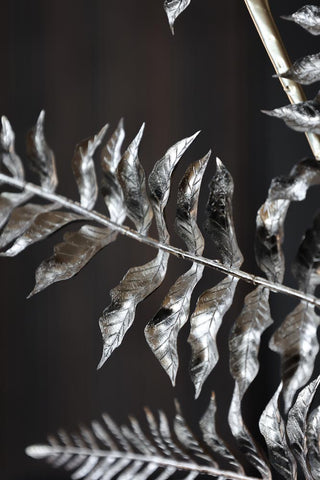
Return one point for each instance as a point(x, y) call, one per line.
point(72, 255)
point(212, 439)
point(215, 302)
point(7, 150)
point(245, 337)
point(297, 425)
point(133, 182)
point(313, 442)
point(308, 17)
point(140, 282)
point(245, 442)
point(43, 225)
point(173, 9)
point(84, 171)
point(302, 117)
point(272, 427)
point(41, 156)
point(306, 70)
point(162, 331)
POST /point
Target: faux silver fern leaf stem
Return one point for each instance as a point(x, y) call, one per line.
point(124, 230)
point(271, 39)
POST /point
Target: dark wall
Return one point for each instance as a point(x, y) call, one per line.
point(87, 63)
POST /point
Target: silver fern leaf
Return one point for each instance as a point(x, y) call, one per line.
point(308, 17)
point(313, 446)
point(215, 302)
point(162, 331)
point(306, 70)
point(173, 9)
point(297, 425)
point(272, 427)
point(302, 117)
point(106, 451)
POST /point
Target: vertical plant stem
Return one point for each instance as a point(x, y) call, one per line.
point(271, 39)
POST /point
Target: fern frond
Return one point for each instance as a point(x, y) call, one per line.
point(106, 450)
point(308, 17)
point(173, 9)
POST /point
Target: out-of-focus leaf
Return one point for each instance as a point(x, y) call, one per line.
point(306, 70)
point(245, 337)
point(132, 179)
point(84, 171)
point(140, 282)
point(245, 442)
point(297, 425)
point(302, 117)
point(272, 427)
point(313, 442)
point(308, 17)
point(215, 302)
point(173, 8)
point(7, 150)
point(41, 156)
point(162, 331)
point(128, 453)
point(213, 440)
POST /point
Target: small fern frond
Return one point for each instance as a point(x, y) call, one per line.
point(106, 450)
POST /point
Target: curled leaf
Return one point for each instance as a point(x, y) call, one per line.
point(7, 150)
point(41, 156)
point(306, 70)
point(272, 427)
point(84, 171)
point(140, 282)
point(173, 9)
point(297, 425)
point(215, 302)
point(245, 337)
point(302, 117)
point(308, 17)
point(162, 331)
point(132, 179)
point(313, 442)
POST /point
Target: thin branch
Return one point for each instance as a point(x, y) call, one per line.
point(271, 39)
point(123, 230)
point(161, 461)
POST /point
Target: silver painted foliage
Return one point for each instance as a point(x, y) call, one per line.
point(302, 117)
point(105, 450)
point(306, 70)
point(173, 9)
point(308, 17)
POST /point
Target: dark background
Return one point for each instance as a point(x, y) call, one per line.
point(90, 62)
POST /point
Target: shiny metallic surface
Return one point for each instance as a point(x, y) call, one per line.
point(173, 9)
point(84, 170)
point(140, 282)
point(162, 331)
point(7, 147)
point(41, 156)
point(305, 71)
point(272, 427)
point(308, 17)
point(271, 39)
point(297, 425)
point(215, 302)
point(313, 444)
point(302, 117)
